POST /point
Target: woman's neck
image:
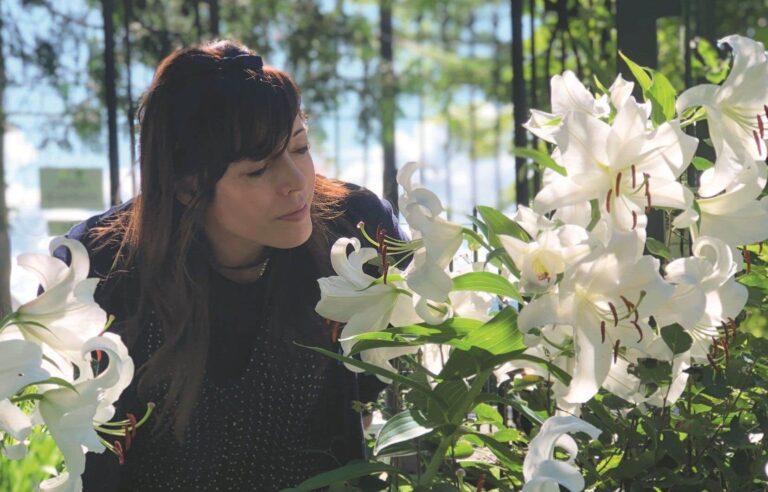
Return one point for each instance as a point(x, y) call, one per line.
point(244, 274)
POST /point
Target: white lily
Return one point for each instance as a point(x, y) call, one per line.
point(629, 387)
point(605, 298)
point(15, 451)
point(20, 365)
point(354, 299)
point(624, 166)
point(547, 255)
point(66, 309)
point(568, 94)
point(736, 216)
point(438, 238)
point(706, 293)
point(736, 113)
point(71, 416)
point(544, 473)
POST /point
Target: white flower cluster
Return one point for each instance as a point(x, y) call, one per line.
point(48, 345)
point(595, 303)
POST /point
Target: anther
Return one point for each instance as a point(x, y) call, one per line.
point(480, 483)
point(608, 201)
point(132, 420)
point(119, 452)
point(760, 126)
point(128, 437)
point(618, 183)
point(757, 142)
point(639, 331)
point(634, 220)
point(627, 303)
point(616, 351)
point(614, 313)
point(634, 177)
point(747, 258)
point(647, 192)
point(602, 331)
point(712, 362)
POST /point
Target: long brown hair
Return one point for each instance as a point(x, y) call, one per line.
point(197, 116)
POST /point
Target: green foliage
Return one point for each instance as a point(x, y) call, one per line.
point(43, 460)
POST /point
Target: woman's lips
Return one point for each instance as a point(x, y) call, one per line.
point(295, 216)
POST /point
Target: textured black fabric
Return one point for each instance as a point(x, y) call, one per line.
point(252, 428)
point(263, 402)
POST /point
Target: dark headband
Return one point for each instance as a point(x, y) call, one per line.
point(243, 61)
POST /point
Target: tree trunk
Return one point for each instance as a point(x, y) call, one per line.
point(111, 100)
point(5, 241)
point(518, 99)
point(214, 17)
point(388, 103)
point(127, 17)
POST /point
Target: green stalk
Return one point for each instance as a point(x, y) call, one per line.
point(437, 460)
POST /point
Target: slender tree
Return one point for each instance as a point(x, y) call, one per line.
point(388, 100)
point(107, 10)
point(5, 242)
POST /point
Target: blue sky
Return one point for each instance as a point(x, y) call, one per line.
point(415, 140)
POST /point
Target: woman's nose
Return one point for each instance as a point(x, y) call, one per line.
point(291, 178)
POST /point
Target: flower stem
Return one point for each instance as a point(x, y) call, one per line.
point(437, 460)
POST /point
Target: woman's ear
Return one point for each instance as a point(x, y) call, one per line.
point(186, 189)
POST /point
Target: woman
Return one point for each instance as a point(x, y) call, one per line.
point(212, 274)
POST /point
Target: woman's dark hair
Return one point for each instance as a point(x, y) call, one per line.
point(199, 115)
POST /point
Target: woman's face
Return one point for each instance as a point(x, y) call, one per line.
point(252, 200)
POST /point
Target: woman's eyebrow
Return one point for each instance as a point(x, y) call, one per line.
point(297, 132)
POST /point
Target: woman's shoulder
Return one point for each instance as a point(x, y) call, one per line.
point(363, 205)
point(102, 245)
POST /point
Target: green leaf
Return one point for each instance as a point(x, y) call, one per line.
point(702, 164)
point(349, 471)
point(486, 282)
point(662, 95)
point(502, 451)
point(29, 397)
point(488, 414)
point(515, 402)
point(642, 77)
point(676, 338)
point(453, 391)
point(53, 380)
point(499, 335)
point(656, 88)
point(650, 370)
point(594, 211)
point(498, 223)
point(542, 158)
point(658, 248)
point(406, 381)
point(400, 428)
point(462, 450)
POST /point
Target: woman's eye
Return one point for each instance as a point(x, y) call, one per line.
point(258, 172)
point(302, 150)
